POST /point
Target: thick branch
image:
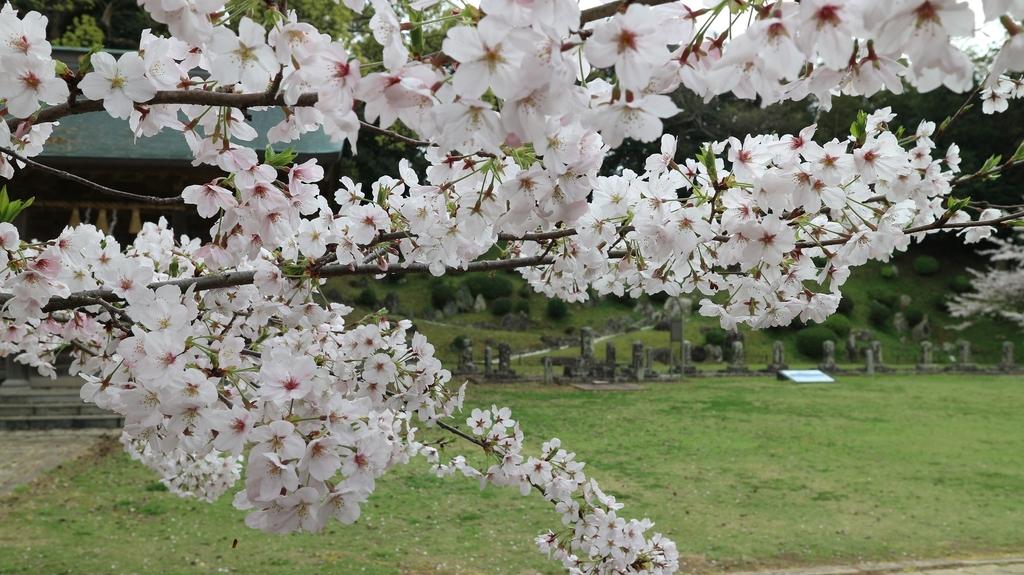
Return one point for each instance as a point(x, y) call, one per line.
point(234, 279)
point(609, 9)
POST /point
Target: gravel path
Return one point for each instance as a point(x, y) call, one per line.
point(26, 454)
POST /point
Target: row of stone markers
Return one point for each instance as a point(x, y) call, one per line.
point(586, 367)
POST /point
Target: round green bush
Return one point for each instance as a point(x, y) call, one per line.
point(715, 337)
point(846, 306)
point(521, 306)
point(810, 341)
point(926, 265)
point(888, 272)
point(556, 309)
point(961, 283)
point(441, 294)
point(838, 323)
point(500, 306)
point(491, 287)
point(885, 297)
point(367, 298)
point(459, 343)
point(879, 314)
point(914, 315)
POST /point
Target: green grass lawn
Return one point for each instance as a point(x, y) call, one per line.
point(741, 473)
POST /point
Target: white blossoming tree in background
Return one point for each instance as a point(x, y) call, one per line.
point(216, 348)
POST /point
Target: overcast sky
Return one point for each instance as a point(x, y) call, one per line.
point(989, 34)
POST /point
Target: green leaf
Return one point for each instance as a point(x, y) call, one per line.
point(9, 210)
point(954, 205)
point(707, 158)
point(1018, 156)
point(859, 128)
point(280, 159)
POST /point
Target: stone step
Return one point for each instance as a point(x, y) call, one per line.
point(28, 395)
point(49, 408)
point(109, 421)
point(63, 382)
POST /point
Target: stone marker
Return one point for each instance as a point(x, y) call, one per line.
point(778, 357)
point(876, 347)
point(851, 348)
point(587, 343)
point(549, 372)
point(505, 361)
point(739, 359)
point(828, 362)
point(487, 360)
point(1007, 363)
point(686, 362)
point(964, 362)
point(466, 364)
point(609, 354)
point(869, 361)
point(479, 304)
point(927, 362)
point(636, 363)
point(714, 353)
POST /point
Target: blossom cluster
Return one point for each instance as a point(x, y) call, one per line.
point(205, 478)
point(593, 539)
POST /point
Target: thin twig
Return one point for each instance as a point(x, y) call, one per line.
point(89, 183)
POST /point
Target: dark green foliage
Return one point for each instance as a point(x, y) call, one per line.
point(914, 315)
point(441, 294)
point(838, 323)
point(810, 341)
point(459, 343)
point(367, 298)
point(489, 286)
point(888, 272)
point(556, 309)
point(961, 283)
point(846, 305)
point(500, 306)
point(879, 314)
point(926, 265)
point(888, 298)
point(715, 337)
point(521, 306)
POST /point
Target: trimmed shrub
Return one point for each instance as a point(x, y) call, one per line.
point(491, 287)
point(846, 306)
point(441, 294)
point(459, 343)
point(500, 306)
point(879, 314)
point(521, 306)
point(888, 272)
point(715, 337)
point(810, 341)
point(914, 315)
point(961, 283)
point(556, 309)
point(838, 323)
point(926, 265)
point(367, 298)
point(526, 291)
point(885, 297)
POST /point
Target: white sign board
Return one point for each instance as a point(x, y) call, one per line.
point(805, 376)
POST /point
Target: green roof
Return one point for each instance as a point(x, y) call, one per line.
point(99, 136)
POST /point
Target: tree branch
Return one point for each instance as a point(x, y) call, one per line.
point(609, 9)
point(89, 183)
